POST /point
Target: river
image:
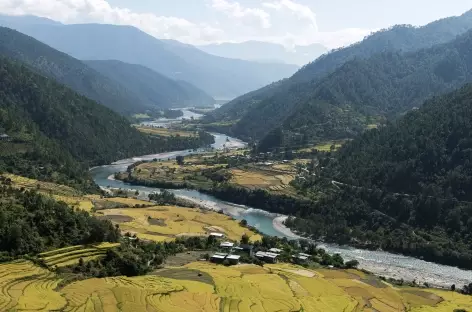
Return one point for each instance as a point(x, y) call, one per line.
point(378, 262)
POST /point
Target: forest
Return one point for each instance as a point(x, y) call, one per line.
point(31, 223)
point(404, 187)
point(57, 134)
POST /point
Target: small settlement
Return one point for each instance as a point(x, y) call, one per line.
point(232, 253)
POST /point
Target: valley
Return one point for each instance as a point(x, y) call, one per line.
point(142, 173)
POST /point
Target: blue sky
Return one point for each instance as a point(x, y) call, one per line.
point(333, 23)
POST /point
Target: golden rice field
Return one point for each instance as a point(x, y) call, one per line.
point(165, 223)
point(71, 255)
point(261, 179)
point(243, 288)
point(166, 132)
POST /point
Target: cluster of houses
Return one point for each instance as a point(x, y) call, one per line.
point(232, 253)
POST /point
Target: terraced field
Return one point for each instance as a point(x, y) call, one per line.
point(165, 223)
point(71, 255)
point(204, 287)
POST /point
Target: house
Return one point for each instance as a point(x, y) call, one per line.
point(233, 259)
point(217, 235)
point(4, 137)
point(227, 246)
point(275, 250)
point(269, 257)
point(218, 257)
point(301, 258)
point(245, 248)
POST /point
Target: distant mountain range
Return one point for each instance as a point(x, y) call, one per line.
point(220, 77)
point(152, 88)
point(266, 52)
point(343, 91)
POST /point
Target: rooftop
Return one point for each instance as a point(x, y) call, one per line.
point(217, 234)
point(227, 244)
point(275, 250)
point(233, 257)
point(266, 254)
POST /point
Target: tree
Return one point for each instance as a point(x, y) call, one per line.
point(180, 160)
point(243, 222)
point(245, 239)
point(352, 264)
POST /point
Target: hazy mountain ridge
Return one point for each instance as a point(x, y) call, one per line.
point(173, 59)
point(69, 71)
point(152, 88)
point(266, 52)
point(281, 100)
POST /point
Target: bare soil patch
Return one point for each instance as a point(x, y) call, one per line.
point(186, 275)
point(184, 258)
point(159, 222)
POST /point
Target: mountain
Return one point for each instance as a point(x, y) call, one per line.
point(404, 187)
point(280, 100)
point(340, 103)
point(68, 71)
point(218, 76)
point(58, 134)
point(266, 52)
point(152, 88)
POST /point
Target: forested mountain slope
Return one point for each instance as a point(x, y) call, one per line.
point(403, 187)
point(218, 76)
point(152, 88)
point(68, 71)
point(360, 92)
point(57, 134)
point(297, 88)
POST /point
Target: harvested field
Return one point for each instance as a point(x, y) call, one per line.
point(201, 286)
point(159, 224)
point(166, 132)
point(257, 179)
point(116, 218)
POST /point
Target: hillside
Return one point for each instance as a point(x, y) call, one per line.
point(298, 89)
point(152, 88)
point(57, 134)
point(403, 187)
point(219, 77)
point(266, 52)
point(68, 71)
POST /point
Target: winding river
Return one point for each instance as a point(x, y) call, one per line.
point(379, 262)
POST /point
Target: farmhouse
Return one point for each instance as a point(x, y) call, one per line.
point(227, 246)
point(249, 249)
point(233, 259)
point(301, 257)
point(217, 235)
point(267, 256)
point(218, 257)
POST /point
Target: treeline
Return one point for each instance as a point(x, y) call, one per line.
point(31, 223)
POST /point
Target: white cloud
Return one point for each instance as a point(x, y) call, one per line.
point(236, 10)
point(279, 21)
point(100, 11)
point(300, 10)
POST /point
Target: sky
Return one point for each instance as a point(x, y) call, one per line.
point(333, 23)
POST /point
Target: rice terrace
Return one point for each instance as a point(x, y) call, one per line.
point(207, 287)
